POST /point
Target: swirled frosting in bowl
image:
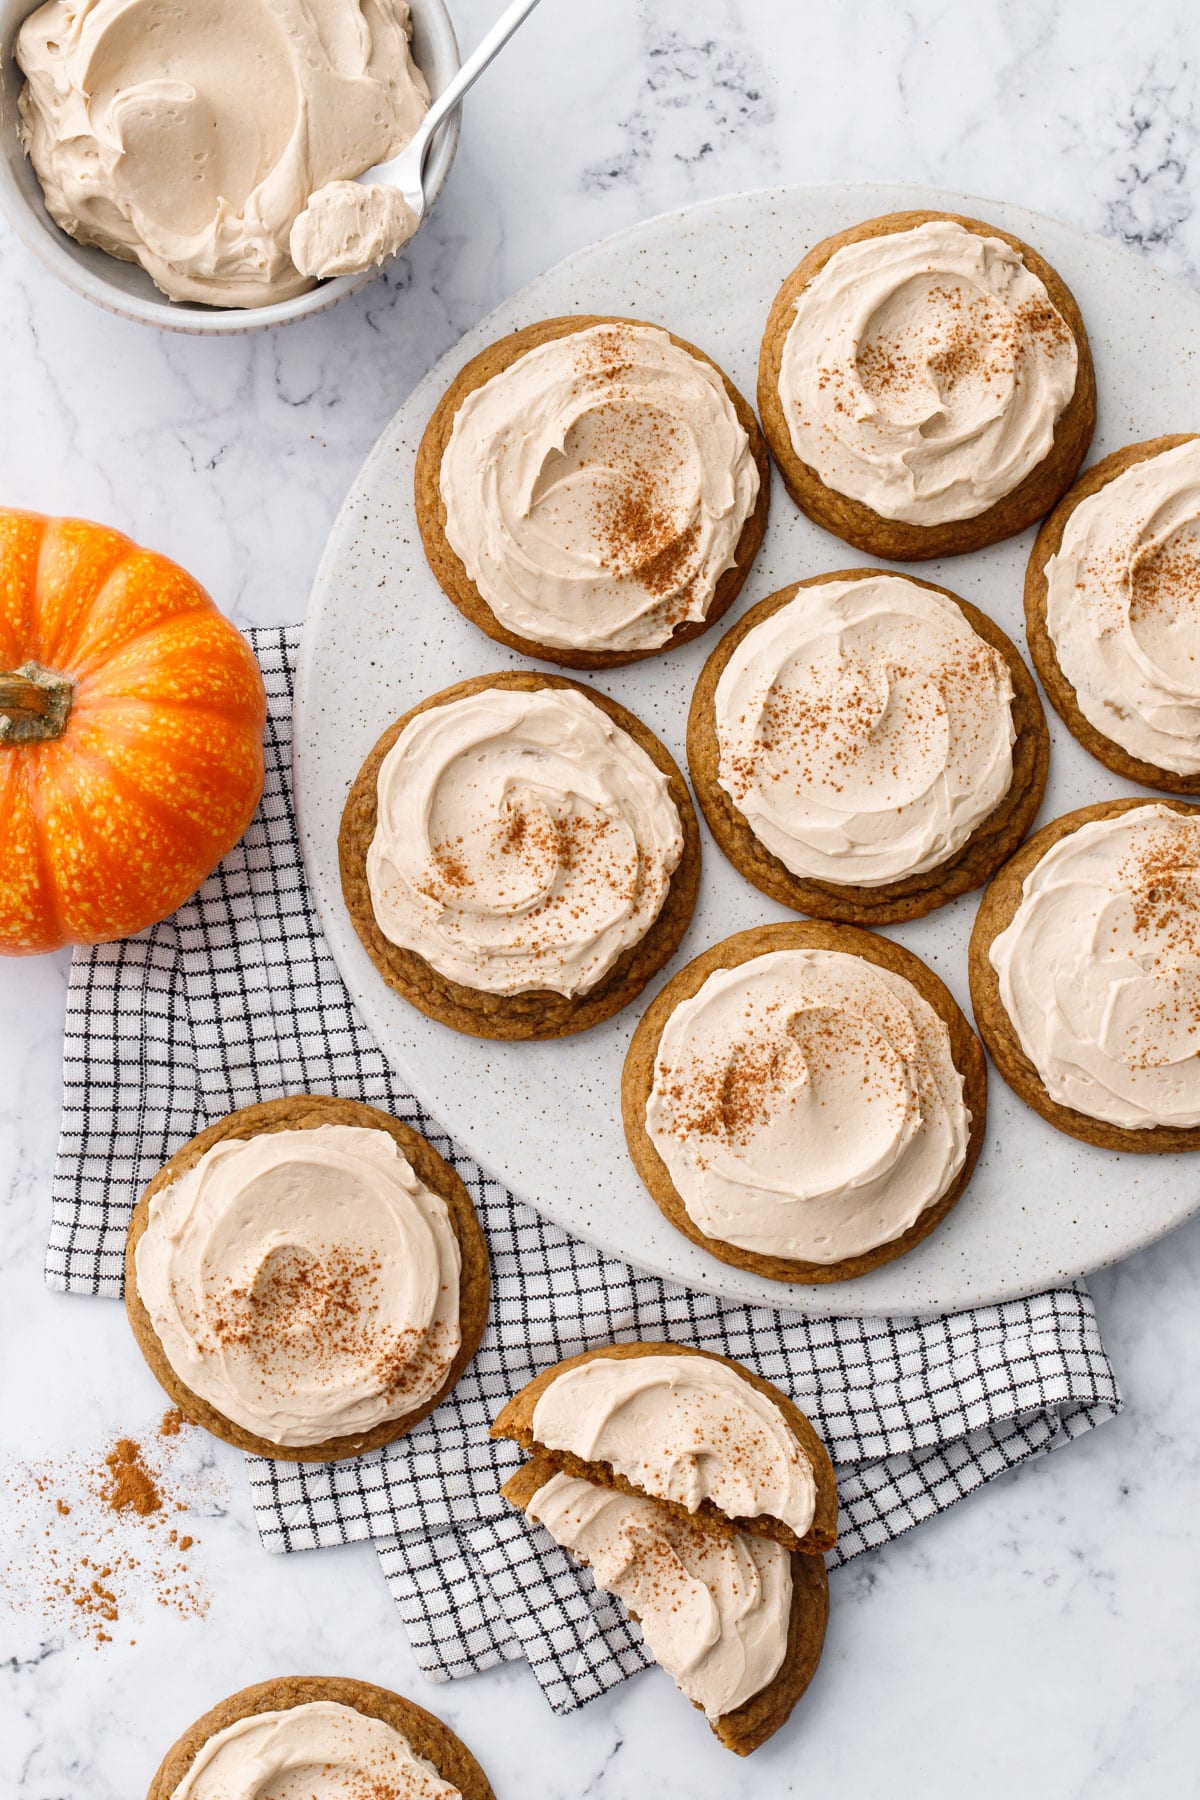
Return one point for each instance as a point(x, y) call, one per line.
point(597, 488)
point(189, 138)
point(683, 1428)
point(304, 1282)
point(924, 372)
point(714, 1611)
point(806, 1105)
point(524, 841)
point(318, 1751)
point(1099, 968)
point(865, 730)
point(1123, 608)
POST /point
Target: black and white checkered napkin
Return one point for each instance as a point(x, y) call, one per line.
point(235, 999)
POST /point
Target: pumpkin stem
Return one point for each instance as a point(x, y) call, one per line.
point(34, 704)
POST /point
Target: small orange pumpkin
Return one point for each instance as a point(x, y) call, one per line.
point(131, 723)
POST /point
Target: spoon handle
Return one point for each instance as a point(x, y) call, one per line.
point(489, 46)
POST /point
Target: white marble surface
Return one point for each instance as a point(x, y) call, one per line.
point(1042, 1636)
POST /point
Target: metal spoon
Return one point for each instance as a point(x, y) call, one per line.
point(406, 171)
point(348, 225)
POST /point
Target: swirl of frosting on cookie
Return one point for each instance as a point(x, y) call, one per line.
point(865, 730)
point(596, 489)
point(924, 372)
point(304, 1283)
point(684, 1428)
point(1099, 968)
point(806, 1105)
point(714, 1611)
point(1123, 608)
point(524, 841)
point(321, 1750)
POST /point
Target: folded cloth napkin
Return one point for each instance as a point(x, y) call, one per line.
point(236, 998)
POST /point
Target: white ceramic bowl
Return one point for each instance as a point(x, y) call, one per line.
point(124, 288)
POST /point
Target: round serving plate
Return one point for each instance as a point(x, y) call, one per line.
point(380, 635)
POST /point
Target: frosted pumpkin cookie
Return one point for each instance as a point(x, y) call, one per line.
point(925, 385)
point(591, 491)
point(866, 746)
point(697, 1433)
point(323, 1737)
point(307, 1278)
point(738, 1621)
point(519, 855)
point(805, 1101)
point(1085, 974)
point(1112, 611)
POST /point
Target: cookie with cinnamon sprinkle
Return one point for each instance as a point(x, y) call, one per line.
point(592, 491)
point(519, 855)
point(926, 385)
point(327, 1709)
point(805, 1101)
point(867, 746)
point(307, 1278)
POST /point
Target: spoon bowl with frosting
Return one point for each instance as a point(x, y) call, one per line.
point(136, 174)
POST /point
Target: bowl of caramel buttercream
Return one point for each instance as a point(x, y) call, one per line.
point(157, 157)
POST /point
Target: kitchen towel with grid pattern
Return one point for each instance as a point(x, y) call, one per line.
point(236, 998)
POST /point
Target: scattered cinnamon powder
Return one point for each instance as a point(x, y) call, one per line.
point(131, 1485)
point(88, 1543)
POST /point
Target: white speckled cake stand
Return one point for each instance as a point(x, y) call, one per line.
point(380, 635)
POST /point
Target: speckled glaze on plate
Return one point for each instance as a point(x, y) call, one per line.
point(1041, 1208)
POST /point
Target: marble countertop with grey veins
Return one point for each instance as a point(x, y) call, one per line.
point(1041, 1637)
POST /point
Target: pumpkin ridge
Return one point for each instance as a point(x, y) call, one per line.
point(34, 756)
point(88, 666)
point(58, 649)
point(197, 837)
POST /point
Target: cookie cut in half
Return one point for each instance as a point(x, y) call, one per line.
point(519, 855)
point(325, 1734)
point(866, 746)
point(806, 1101)
point(591, 491)
point(697, 1432)
point(700, 1497)
point(307, 1278)
point(1085, 974)
point(1112, 611)
point(765, 1608)
point(925, 384)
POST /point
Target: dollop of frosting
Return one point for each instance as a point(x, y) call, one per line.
point(924, 372)
point(524, 841)
point(865, 730)
point(347, 226)
point(596, 489)
point(318, 1751)
point(806, 1105)
point(1123, 608)
point(714, 1611)
point(304, 1283)
point(683, 1428)
point(189, 138)
point(1099, 968)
